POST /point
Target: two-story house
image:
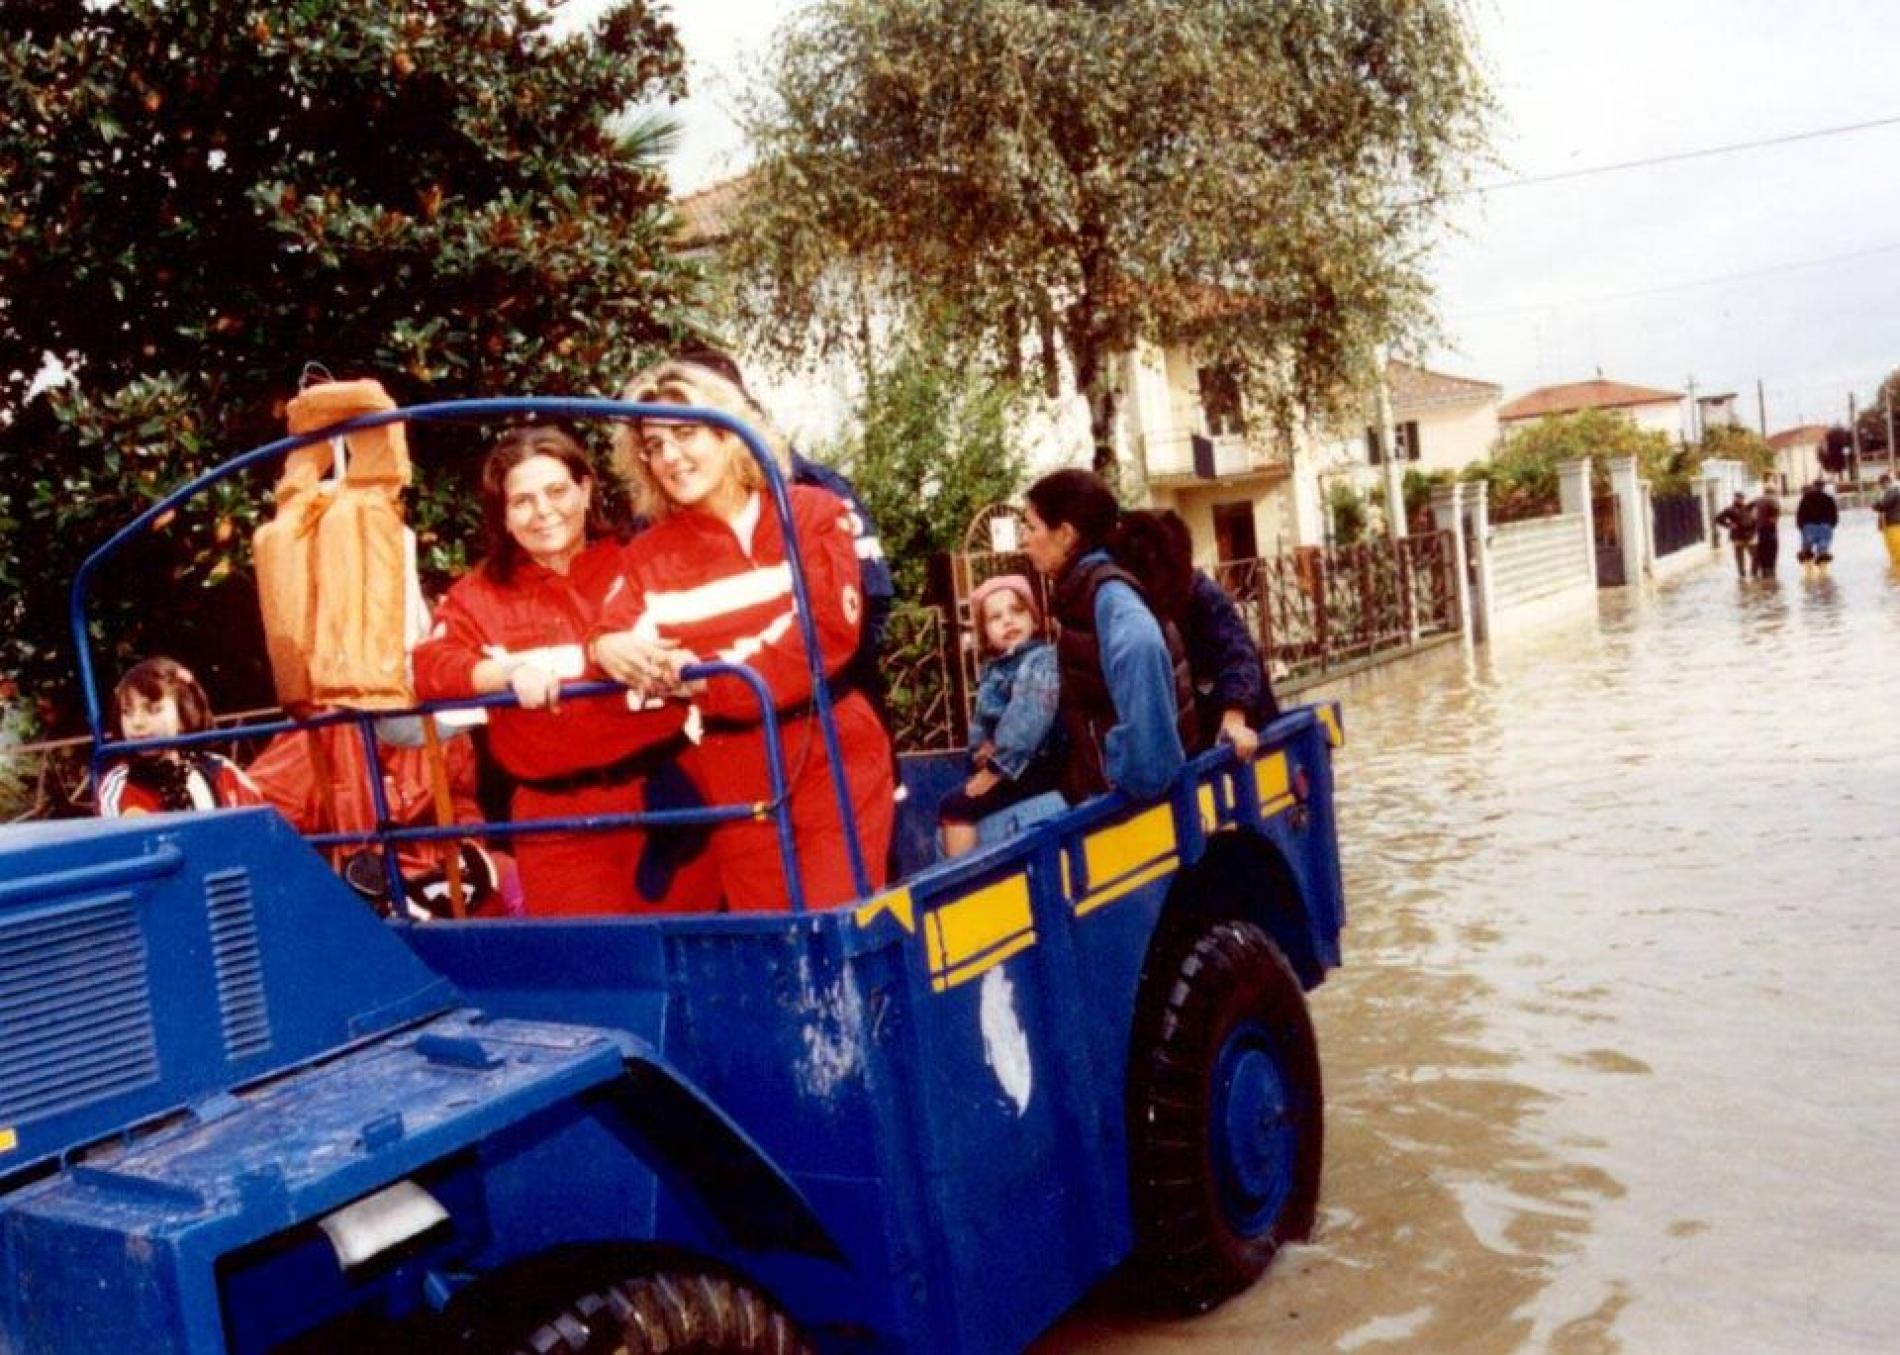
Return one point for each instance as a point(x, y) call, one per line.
point(1244, 494)
point(1798, 454)
point(1647, 407)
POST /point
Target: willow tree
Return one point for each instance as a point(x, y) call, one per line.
point(200, 196)
point(1064, 178)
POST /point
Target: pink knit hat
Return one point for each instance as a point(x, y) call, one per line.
point(1015, 583)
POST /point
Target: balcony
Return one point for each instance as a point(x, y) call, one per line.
point(1185, 458)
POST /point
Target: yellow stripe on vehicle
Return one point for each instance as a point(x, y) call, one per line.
point(1335, 733)
point(1083, 907)
point(1274, 784)
point(9, 1139)
point(967, 936)
point(897, 903)
point(1111, 853)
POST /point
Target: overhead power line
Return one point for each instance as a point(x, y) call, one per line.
point(1678, 286)
point(1677, 156)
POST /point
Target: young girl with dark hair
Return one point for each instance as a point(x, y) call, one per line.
point(160, 699)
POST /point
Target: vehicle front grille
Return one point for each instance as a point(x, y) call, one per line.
point(239, 966)
point(75, 1008)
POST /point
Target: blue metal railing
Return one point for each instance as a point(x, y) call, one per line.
point(484, 411)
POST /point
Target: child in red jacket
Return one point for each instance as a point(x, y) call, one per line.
point(161, 699)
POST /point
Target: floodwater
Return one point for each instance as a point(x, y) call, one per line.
point(1614, 1062)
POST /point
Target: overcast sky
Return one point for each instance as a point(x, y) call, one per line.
point(1779, 264)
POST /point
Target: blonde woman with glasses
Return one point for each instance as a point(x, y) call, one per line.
point(709, 580)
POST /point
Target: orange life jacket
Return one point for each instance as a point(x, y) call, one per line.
point(333, 564)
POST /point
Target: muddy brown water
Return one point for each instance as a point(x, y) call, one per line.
point(1614, 1062)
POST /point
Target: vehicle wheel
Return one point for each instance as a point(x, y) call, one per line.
point(675, 1312)
point(1226, 1119)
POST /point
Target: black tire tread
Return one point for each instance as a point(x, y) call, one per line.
point(1187, 1256)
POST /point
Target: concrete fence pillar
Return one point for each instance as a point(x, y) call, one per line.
point(1448, 512)
point(1629, 522)
point(1647, 516)
point(1478, 530)
point(1573, 495)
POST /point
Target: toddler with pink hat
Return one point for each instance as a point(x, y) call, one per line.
point(1014, 739)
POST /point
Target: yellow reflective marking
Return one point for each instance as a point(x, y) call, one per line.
point(897, 903)
point(1114, 852)
point(967, 936)
point(1329, 717)
point(1209, 807)
point(1115, 891)
point(9, 1139)
point(1273, 783)
point(982, 966)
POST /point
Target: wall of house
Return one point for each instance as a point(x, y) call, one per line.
point(1453, 438)
point(1798, 465)
point(1658, 418)
point(1274, 524)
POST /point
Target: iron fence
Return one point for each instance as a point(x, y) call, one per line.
point(1678, 522)
point(1606, 525)
point(919, 660)
point(1315, 610)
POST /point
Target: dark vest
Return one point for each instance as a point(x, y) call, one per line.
point(1087, 709)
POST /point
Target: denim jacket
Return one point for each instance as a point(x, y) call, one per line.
point(1016, 706)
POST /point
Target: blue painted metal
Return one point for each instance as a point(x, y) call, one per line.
point(1251, 1137)
point(903, 1118)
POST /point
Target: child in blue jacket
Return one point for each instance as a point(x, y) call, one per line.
point(1013, 753)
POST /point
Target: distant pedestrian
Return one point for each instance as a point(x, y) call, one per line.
point(1740, 522)
point(1817, 517)
point(1887, 517)
point(1766, 511)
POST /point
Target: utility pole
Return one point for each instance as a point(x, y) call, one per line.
point(1695, 413)
point(1853, 431)
point(1761, 408)
point(1394, 472)
point(1886, 396)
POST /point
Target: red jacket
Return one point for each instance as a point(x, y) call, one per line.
point(539, 610)
point(689, 579)
point(196, 781)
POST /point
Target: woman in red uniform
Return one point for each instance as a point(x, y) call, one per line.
point(709, 580)
point(519, 623)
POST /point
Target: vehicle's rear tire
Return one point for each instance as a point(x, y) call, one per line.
point(678, 1312)
point(1226, 1119)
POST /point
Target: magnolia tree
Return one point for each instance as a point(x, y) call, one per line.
point(202, 196)
point(1062, 179)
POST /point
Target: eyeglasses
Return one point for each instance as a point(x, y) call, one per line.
point(655, 438)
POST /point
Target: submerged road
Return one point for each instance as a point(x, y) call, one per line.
point(1614, 1062)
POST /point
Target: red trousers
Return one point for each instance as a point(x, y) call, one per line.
point(730, 767)
point(576, 874)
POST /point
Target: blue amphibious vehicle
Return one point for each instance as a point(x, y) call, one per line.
point(239, 1112)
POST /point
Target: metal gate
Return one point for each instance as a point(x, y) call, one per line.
point(1606, 525)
